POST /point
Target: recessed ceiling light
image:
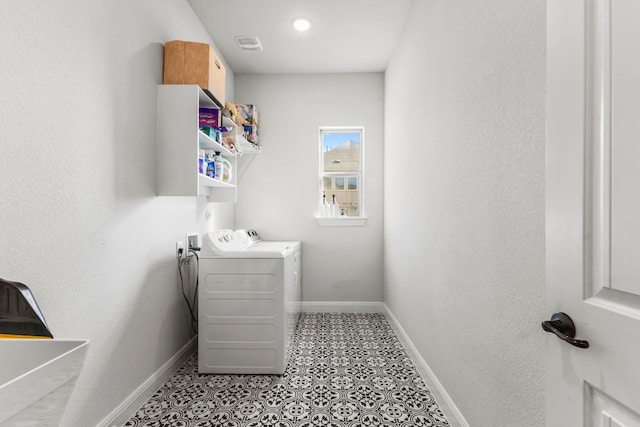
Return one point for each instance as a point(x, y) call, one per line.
point(301, 24)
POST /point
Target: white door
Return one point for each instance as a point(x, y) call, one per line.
point(593, 211)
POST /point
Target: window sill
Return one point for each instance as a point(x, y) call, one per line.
point(341, 221)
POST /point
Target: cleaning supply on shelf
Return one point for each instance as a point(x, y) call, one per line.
point(223, 168)
point(209, 117)
point(202, 162)
point(211, 166)
point(213, 133)
point(219, 166)
point(20, 316)
point(226, 175)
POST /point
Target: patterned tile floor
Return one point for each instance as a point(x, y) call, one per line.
point(345, 370)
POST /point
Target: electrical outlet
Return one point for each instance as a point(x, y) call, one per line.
point(191, 240)
point(179, 249)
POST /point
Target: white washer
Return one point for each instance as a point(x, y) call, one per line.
point(248, 303)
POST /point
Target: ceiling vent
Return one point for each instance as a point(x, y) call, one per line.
point(249, 42)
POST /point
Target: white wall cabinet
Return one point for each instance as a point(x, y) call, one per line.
point(179, 140)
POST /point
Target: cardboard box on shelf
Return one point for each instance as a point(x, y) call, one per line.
point(194, 63)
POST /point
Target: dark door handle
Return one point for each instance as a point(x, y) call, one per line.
point(564, 328)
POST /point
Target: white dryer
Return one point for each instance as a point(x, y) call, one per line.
point(248, 303)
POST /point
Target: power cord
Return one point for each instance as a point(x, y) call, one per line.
point(195, 293)
point(194, 320)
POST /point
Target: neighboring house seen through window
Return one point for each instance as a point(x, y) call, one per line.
point(341, 151)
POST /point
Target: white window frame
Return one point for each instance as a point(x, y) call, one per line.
point(341, 220)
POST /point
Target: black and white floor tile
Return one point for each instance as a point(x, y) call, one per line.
point(345, 370)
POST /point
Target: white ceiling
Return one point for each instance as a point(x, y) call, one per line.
point(346, 36)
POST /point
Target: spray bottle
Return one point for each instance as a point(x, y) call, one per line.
point(324, 209)
point(335, 208)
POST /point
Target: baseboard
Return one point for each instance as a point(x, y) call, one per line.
point(127, 408)
point(449, 408)
point(135, 400)
point(342, 307)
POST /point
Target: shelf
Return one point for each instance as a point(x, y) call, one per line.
point(227, 122)
point(179, 142)
point(341, 221)
point(206, 143)
point(216, 190)
point(246, 147)
point(205, 100)
point(207, 181)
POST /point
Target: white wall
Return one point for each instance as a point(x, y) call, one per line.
point(80, 222)
point(464, 266)
point(279, 189)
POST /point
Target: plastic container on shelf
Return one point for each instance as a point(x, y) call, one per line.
point(223, 168)
point(211, 166)
point(202, 162)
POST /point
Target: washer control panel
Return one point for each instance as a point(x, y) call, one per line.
point(250, 237)
point(223, 241)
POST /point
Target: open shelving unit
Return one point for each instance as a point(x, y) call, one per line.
point(179, 141)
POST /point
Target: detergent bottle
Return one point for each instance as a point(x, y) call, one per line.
point(211, 166)
point(223, 168)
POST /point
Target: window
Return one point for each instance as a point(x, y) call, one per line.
point(341, 169)
point(353, 184)
point(328, 183)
